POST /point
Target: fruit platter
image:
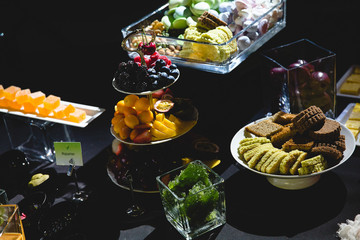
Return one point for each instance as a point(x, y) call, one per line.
point(214, 36)
point(293, 150)
point(140, 121)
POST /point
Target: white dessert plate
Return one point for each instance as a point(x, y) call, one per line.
point(291, 182)
point(91, 114)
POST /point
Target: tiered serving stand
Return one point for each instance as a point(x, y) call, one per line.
point(141, 148)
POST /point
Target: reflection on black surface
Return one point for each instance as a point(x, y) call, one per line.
point(259, 208)
point(14, 168)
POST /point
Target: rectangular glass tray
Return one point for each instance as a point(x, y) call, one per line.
point(91, 114)
point(216, 67)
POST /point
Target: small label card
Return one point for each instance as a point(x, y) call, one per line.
point(65, 151)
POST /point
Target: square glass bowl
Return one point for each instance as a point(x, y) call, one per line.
point(206, 56)
point(10, 223)
point(198, 212)
point(298, 75)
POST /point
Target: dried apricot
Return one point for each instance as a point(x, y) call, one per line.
point(142, 104)
point(124, 132)
point(120, 106)
point(129, 111)
point(131, 121)
point(146, 116)
point(130, 100)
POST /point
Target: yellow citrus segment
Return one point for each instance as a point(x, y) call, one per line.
point(157, 134)
point(160, 117)
point(169, 124)
point(162, 128)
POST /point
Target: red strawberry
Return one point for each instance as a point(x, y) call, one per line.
point(143, 137)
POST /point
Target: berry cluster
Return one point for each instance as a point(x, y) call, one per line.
point(132, 77)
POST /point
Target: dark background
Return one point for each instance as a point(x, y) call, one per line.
point(73, 49)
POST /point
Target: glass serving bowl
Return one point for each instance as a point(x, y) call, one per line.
point(198, 212)
point(222, 66)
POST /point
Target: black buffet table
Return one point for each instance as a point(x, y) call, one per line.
point(73, 52)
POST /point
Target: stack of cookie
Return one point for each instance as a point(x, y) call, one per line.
point(308, 131)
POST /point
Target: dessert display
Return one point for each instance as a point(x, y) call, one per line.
point(179, 24)
point(296, 144)
point(14, 98)
point(148, 114)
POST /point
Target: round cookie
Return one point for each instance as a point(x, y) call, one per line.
point(329, 132)
point(331, 154)
point(308, 119)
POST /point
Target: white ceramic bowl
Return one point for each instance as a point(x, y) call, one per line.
point(291, 182)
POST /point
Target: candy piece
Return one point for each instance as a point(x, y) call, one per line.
point(69, 109)
point(36, 98)
point(63, 111)
point(243, 42)
point(3, 102)
point(22, 96)
point(59, 112)
point(51, 102)
point(77, 116)
point(43, 111)
point(14, 105)
point(29, 107)
point(10, 92)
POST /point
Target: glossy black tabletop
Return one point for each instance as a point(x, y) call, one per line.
point(73, 50)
